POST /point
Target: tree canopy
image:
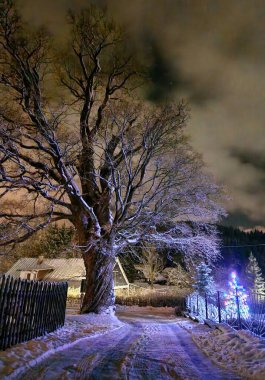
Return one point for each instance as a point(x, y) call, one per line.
point(77, 143)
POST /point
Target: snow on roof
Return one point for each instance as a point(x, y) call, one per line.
point(37, 267)
point(63, 269)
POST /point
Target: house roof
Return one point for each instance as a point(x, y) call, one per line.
point(63, 269)
point(37, 267)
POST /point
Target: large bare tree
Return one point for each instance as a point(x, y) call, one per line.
point(76, 146)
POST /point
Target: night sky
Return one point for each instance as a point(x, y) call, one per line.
point(211, 53)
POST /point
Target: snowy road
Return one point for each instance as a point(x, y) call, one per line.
point(147, 347)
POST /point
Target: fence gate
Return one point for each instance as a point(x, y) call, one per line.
point(29, 309)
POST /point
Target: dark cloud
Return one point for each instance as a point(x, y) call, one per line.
point(250, 157)
point(256, 161)
point(169, 80)
point(211, 52)
point(164, 77)
point(239, 218)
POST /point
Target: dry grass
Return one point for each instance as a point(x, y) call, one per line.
point(166, 296)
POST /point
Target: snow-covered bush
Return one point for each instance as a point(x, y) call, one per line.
point(177, 276)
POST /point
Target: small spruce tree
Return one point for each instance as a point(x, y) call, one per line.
point(254, 275)
point(203, 280)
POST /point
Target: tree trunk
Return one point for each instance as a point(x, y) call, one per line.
point(99, 295)
point(152, 280)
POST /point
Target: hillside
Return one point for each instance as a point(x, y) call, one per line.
point(237, 245)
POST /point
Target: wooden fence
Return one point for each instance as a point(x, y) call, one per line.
point(29, 309)
point(213, 307)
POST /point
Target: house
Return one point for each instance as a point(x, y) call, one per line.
point(70, 270)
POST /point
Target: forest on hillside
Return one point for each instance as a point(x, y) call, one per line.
point(236, 247)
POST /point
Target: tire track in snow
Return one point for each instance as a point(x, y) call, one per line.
point(205, 367)
point(145, 348)
point(162, 357)
point(79, 361)
point(115, 359)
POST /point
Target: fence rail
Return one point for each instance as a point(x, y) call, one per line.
point(213, 307)
point(29, 309)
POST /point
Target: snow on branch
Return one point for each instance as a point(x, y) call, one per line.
point(117, 169)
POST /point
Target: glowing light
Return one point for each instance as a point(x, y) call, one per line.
point(236, 299)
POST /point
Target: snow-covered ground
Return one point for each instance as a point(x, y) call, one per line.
point(15, 360)
point(149, 344)
point(238, 351)
point(144, 343)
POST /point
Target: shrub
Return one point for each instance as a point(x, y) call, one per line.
point(147, 297)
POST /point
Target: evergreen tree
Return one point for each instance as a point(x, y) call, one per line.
point(203, 280)
point(56, 240)
point(53, 242)
point(255, 276)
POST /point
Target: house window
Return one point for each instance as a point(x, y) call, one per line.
point(28, 275)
